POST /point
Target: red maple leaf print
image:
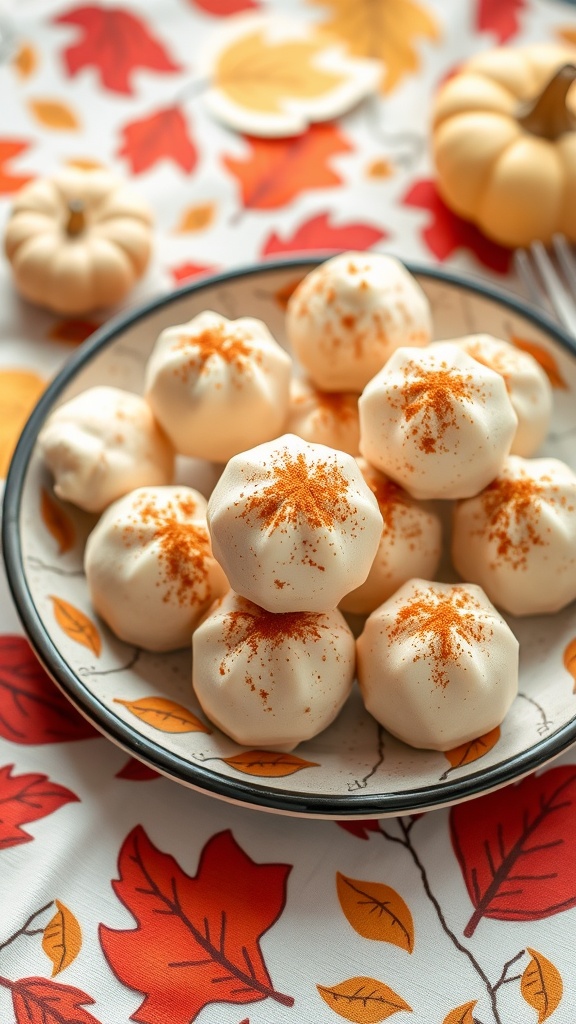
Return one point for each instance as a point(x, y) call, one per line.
point(160, 136)
point(500, 18)
point(38, 1001)
point(445, 232)
point(318, 233)
point(137, 771)
point(221, 8)
point(25, 798)
point(32, 709)
point(186, 271)
point(516, 848)
point(275, 171)
point(9, 148)
point(197, 940)
point(114, 41)
point(360, 829)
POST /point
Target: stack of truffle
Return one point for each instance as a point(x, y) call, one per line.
point(301, 530)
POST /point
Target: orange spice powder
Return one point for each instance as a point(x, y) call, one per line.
point(433, 396)
point(513, 510)
point(219, 340)
point(337, 406)
point(496, 361)
point(316, 493)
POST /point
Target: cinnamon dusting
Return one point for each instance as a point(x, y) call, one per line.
point(433, 396)
point(218, 341)
point(513, 508)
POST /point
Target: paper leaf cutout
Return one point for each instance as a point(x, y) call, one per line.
point(33, 709)
point(267, 764)
point(516, 851)
point(163, 714)
point(362, 1000)
point(137, 771)
point(387, 30)
point(376, 911)
point(62, 939)
point(472, 751)
point(461, 1014)
point(545, 359)
point(319, 233)
point(54, 114)
point(196, 218)
point(186, 271)
point(38, 1001)
point(57, 522)
point(73, 332)
point(76, 625)
point(275, 171)
point(26, 798)
point(197, 939)
point(19, 392)
point(503, 20)
point(160, 136)
point(360, 829)
point(541, 985)
point(116, 43)
point(10, 148)
point(25, 60)
point(570, 660)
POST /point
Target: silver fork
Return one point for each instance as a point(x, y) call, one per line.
point(550, 278)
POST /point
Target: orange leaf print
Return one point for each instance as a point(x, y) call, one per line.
point(54, 114)
point(73, 332)
point(544, 358)
point(76, 625)
point(163, 714)
point(380, 169)
point(25, 61)
point(461, 1014)
point(267, 764)
point(541, 985)
point(196, 218)
point(570, 660)
point(85, 163)
point(362, 1000)
point(57, 522)
point(385, 29)
point(62, 938)
point(469, 752)
point(376, 911)
point(19, 392)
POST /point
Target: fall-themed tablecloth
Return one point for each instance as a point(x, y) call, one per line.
point(124, 896)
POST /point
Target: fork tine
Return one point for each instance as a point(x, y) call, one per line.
point(530, 282)
point(566, 260)
point(563, 305)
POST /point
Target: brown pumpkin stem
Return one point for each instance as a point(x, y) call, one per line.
point(76, 217)
point(548, 115)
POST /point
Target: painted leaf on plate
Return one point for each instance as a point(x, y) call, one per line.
point(57, 521)
point(197, 939)
point(360, 829)
point(62, 938)
point(19, 392)
point(461, 1014)
point(9, 182)
point(163, 714)
point(541, 985)
point(25, 60)
point(196, 218)
point(73, 332)
point(275, 171)
point(502, 19)
point(318, 233)
point(32, 708)
point(362, 1000)
point(516, 851)
point(54, 114)
point(114, 41)
point(570, 660)
point(26, 798)
point(76, 625)
point(376, 911)
point(39, 1001)
point(137, 771)
point(472, 751)
point(267, 764)
point(544, 358)
point(163, 135)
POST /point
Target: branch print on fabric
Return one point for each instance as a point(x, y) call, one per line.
point(197, 939)
point(26, 798)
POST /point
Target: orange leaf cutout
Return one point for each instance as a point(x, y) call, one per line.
point(570, 660)
point(461, 1014)
point(541, 985)
point(62, 938)
point(57, 522)
point(285, 293)
point(25, 61)
point(363, 1000)
point(267, 763)
point(376, 911)
point(73, 332)
point(163, 714)
point(19, 392)
point(76, 625)
point(544, 358)
point(380, 168)
point(54, 114)
point(469, 752)
point(196, 218)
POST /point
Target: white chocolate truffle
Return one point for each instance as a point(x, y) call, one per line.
point(437, 665)
point(150, 569)
point(348, 315)
point(517, 539)
point(324, 417)
point(271, 680)
point(528, 386)
point(410, 545)
point(436, 421)
point(218, 386)
point(102, 444)
point(294, 525)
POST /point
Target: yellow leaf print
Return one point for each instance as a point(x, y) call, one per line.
point(25, 61)
point(382, 29)
point(76, 625)
point(54, 114)
point(62, 938)
point(163, 714)
point(541, 985)
point(19, 392)
point(196, 218)
point(362, 1000)
point(376, 911)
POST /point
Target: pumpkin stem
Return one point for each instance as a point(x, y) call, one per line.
point(76, 217)
point(548, 115)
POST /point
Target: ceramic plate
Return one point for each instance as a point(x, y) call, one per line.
point(144, 701)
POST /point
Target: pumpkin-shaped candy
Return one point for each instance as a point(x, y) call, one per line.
point(78, 240)
point(504, 143)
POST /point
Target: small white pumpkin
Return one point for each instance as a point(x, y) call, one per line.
point(77, 241)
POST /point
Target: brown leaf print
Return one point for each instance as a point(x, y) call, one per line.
point(62, 938)
point(54, 114)
point(541, 985)
point(376, 911)
point(267, 763)
point(196, 218)
point(76, 625)
point(570, 660)
point(362, 1000)
point(467, 753)
point(461, 1014)
point(163, 714)
point(544, 358)
point(57, 522)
